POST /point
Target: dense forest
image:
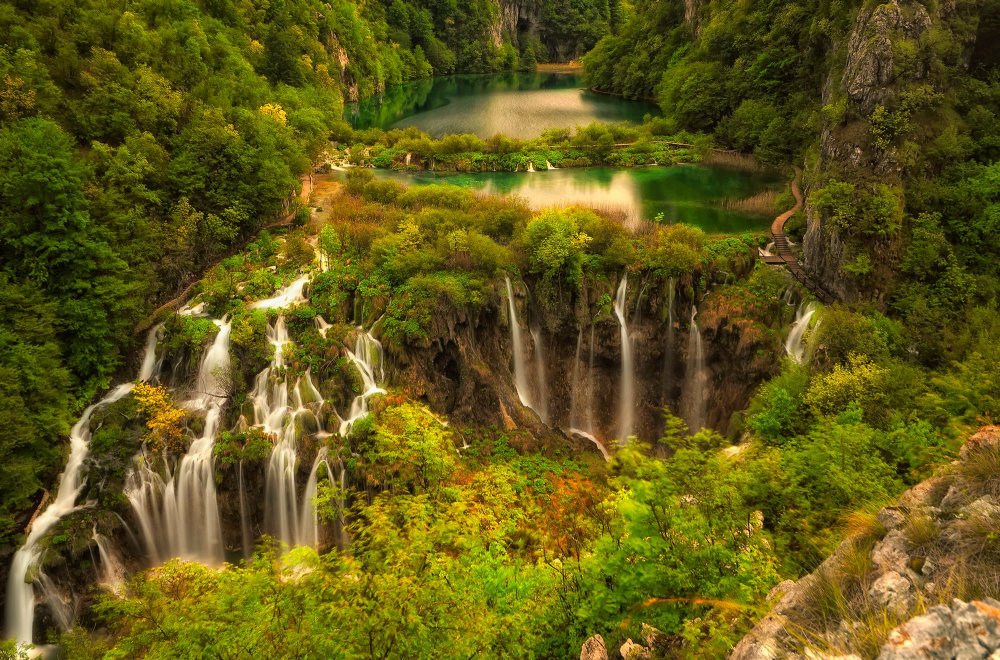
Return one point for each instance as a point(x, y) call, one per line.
point(149, 145)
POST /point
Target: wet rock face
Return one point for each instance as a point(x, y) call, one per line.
point(465, 368)
point(958, 630)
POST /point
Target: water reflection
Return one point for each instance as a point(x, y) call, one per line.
point(519, 105)
point(692, 194)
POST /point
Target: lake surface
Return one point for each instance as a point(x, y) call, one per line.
point(520, 105)
point(692, 194)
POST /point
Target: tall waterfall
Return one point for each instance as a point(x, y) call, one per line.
point(667, 379)
point(179, 515)
point(626, 408)
point(20, 594)
point(284, 412)
point(520, 368)
point(150, 365)
point(795, 344)
point(695, 378)
point(367, 356)
point(541, 380)
point(574, 397)
point(20, 603)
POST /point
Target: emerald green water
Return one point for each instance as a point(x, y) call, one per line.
point(692, 194)
point(520, 105)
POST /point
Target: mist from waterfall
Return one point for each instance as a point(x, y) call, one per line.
point(695, 378)
point(626, 407)
point(795, 344)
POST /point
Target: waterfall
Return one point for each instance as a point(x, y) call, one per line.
point(627, 385)
point(290, 295)
point(695, 378)
point(666, 382)
point(590, 384)
point(244, 517)
point(550, 166)
point(520, 369)
point(531, 166)
point(795, 344)
point(179, 515)
point(367, 356)
point(542, 389)
point(112, 573)
point(321, 326)
point(20, 601)
point(273, 414)
point(574, 398)
point(309, 518)
point(150, 365)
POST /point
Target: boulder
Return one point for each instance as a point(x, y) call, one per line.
point(959, 630)
point(594, 649)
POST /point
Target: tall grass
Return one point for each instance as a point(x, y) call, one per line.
point(763, 203)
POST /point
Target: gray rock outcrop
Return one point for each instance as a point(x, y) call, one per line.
point(958, 630)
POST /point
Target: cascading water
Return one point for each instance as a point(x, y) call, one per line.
point(520, 368)
point(580, 425)
point(541, 380)
point(179, 515)
point(574, 398)
point(590, 384)
point(244, 516)
point(309, 517)
point(150, 365)
point(21, 594)
point(290, 295)
point(666, 382)
point(274, 414)
point(366, 356)
point(112, 572)
point(795, 345)
point(550, 166)
point(695, 378)
point(626, 405)
point(322, 327)
point(531, 166)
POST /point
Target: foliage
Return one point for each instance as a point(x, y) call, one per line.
point(163, 418)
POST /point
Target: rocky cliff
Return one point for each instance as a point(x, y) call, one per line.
point(874, 106)
point(919, 582)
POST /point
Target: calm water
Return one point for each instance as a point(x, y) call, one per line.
point(520, 105)
point(691, 194)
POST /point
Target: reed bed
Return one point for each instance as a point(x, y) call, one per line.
point(763, 203)
point(735, 159)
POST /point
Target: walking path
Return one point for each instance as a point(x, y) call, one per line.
point(783, 252)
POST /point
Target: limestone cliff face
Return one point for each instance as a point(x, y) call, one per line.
point(929, 566)
point(573, 358)
point(514, 19)
point(886, 53)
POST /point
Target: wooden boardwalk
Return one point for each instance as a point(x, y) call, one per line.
point(783, 255)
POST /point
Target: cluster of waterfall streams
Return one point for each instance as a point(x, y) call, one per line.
point(174, 501)
point(176, 507)
point(581, 410)
point(795, 344)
